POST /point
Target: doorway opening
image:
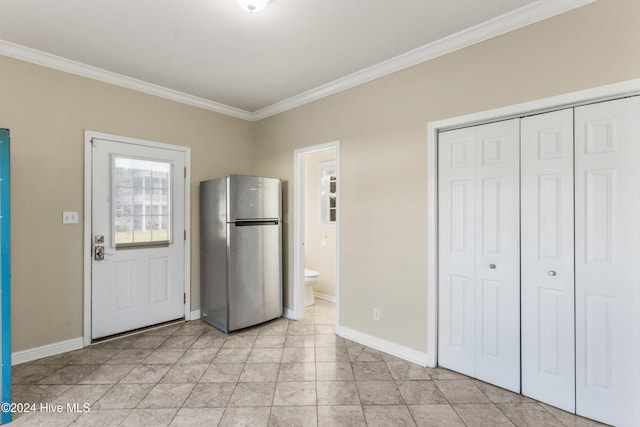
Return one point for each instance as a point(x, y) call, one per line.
point(317, 206)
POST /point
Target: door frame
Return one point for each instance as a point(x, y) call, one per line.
point(298, 227)
point(572, 99)
point(88, 190)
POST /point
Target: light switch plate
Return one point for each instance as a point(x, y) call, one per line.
point(69, 217)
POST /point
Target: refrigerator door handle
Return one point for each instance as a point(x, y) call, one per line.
point(245, 223)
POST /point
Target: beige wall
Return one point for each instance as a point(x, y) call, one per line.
point(382, 128)
point(319, 239)
point(47, 113)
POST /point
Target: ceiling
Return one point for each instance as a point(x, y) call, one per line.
point(215, 52)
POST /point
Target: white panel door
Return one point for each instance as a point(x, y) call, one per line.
point(498, 254)
point(607, 181)
point(138, 222)
point(548, 350)
point(457, 250)
point(479, 289)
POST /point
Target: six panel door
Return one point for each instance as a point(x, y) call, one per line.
point(479, 329)
point(548, 352)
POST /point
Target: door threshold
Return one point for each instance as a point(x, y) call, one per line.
point(137, 331)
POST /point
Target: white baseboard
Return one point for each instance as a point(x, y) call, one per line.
point(330, 298)
point(46, 350)
point(289, 314)
point(195, 315)
point(389, 347)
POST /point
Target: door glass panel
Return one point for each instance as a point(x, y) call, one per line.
point(142, 202)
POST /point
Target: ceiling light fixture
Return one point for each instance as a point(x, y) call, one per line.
point(253, 6)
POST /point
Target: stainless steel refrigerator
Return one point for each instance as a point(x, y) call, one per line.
point(241, 251)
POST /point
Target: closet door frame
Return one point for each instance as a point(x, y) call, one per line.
point(573, 99)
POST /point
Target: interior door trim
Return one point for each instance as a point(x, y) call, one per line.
point(87, 255)
point(588, 96)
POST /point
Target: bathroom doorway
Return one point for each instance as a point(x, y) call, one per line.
point(316, 269)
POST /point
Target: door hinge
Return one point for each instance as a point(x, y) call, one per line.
point(185, 234)
point(185, 172)
point(184, 299)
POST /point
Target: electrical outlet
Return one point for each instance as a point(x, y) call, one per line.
point(376, 314)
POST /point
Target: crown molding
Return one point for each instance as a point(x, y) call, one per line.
point(59, 63)
point(532, 13)
point(511, 21)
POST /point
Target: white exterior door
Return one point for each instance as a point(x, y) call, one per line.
point(138, 223)
point(548, 351)
point(479, 274)
point(607, 219)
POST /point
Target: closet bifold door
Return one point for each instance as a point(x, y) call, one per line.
point(478, 249)
point(547, 258)
point(607, 180)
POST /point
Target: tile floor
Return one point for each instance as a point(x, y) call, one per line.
point(283, 373)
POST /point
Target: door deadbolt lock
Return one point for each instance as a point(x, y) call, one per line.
point(99, 253)
point(98, 239)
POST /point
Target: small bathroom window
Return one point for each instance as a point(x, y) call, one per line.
point(328, 184)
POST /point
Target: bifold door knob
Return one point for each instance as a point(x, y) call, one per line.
point(492, 266)
point(551, 273)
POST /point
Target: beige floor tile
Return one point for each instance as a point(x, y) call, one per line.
point(259, 372)
point(94, 356)
point(379, 393)
point(146, 374)
point(191, 328)
point(500, 395)
point(360, 353)
point(337, 393)
point(445, 374)
point(123, 396)
point(179, 341)
point(528, 414)
point(299, 341)
point(239, 341)
point(291, 393)
point(82, 394)
point(164, 356)
point(148, 341)
point(149, 417)
point(568, 419)
point(269, 341)
point(107, 374)
point(435, 416)
point(341, 416)
point(332, 354)
point(461, 391)
point(197, 417)
point(262, 355)
point(403, 370)
point(184, 373)
point(70, 374)
point(102, 418)
point(129, 356)
point(334, 371)
point(481, 415)
point(297, 372)
point(208, 341)
point(420, 392)
point(371, 371)
point(166, 396)
point(198, 356)
point(245, 417)
point(210, 395)
point(50, 419)
point(33, 373)
point(299, 416)
point(37, 393)
point(253, 394)
point(232, 355)
point(388, 416)
point(222, 373)
point(298, 354)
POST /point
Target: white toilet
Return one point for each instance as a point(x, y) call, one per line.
point(311, 277)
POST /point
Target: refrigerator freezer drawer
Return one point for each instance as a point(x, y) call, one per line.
point(255, 276)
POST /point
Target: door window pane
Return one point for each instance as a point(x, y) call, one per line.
point(142, 201)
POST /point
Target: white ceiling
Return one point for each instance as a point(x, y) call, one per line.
point(214, 51)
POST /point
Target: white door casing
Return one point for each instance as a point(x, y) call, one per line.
point(607, 186)
point(547, 240)
point(479, 292)
point(135, 287)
